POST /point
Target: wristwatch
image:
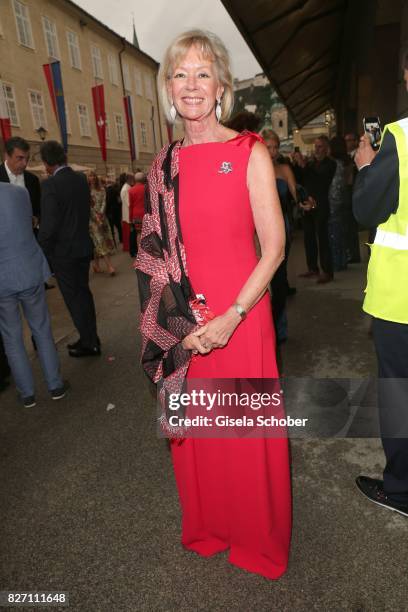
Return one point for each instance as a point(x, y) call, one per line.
point(241, 311)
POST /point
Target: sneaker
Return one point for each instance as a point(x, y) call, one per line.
point(29, 401)
point(374, 490)
point(60, 392)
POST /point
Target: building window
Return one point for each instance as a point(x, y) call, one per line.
point(107, 127)
point(126, 77)
point(83, 116)
point(113, 69)
point(96, 62)
point(51, 38)
point(74, 51)
point(24, 32)
point(11, 104)
point(37, 109)
point(138, 82)
point(148, 86)
point(280, 123)
point(120, 129)
point(143, 133)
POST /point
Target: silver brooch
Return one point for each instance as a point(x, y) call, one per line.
point(225, 168)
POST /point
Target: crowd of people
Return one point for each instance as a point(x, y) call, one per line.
point(72, 223)
point(315, 192)
point(204, 284)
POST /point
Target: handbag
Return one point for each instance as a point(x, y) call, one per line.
point(200, 309)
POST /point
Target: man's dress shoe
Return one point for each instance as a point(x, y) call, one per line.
point(82, 351)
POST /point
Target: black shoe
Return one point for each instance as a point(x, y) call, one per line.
point(60, 392)
point(29, 401)
point(82, 351)
point(77, 344)
point(374, 490)
point(74, 345)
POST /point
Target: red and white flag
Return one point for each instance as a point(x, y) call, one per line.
point(5, 124)
point(98, 98)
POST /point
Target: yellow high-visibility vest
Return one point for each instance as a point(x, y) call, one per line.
point(387, 275)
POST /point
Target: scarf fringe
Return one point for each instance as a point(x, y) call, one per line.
point(174, 433)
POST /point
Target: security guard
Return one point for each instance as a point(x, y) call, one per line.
point(380, 199)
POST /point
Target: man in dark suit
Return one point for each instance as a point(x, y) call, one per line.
point(114, 209)
point(64, 237)
point(316, 177)
point(13, 170)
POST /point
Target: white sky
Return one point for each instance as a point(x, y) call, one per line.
point(158, 21)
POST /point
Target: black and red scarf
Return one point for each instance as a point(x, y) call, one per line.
point(166, 295)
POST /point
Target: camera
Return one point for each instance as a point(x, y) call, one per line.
point(372, 127)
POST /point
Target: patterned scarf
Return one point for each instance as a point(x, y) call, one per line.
point(166, 295)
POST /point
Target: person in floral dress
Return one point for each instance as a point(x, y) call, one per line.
point(99, 228)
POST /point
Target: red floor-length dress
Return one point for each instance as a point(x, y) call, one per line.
point(234, 493)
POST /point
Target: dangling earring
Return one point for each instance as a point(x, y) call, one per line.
point(218, 110)
point(173, 112)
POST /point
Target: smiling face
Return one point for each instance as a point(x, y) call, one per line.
point(193, 86)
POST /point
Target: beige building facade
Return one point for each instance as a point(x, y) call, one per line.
point(305, 137)
point(36, 32)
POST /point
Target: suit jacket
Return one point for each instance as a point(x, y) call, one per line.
point(65, 211)
point(113, 202)
point(317, 178)
point(32, 184)
point(22, 262)
point(376, 188)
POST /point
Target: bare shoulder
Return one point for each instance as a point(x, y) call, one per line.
point(259, 156)
point(260, 168)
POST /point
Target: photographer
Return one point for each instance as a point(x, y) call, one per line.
point(381, 198)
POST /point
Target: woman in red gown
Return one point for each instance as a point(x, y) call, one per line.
point(234, 493)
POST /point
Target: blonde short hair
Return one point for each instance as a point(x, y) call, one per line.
point(211, 48)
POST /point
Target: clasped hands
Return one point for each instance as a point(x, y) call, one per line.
point(214, 334)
